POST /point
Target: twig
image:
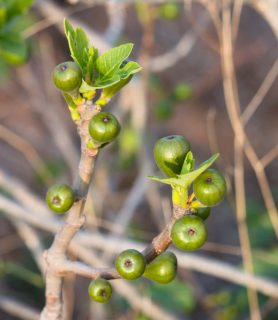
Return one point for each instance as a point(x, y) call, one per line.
point(232, 102)
point(51, 9)
point(56, 255)
point(29, 82)
point(268, 9)
point(125, 289)
point(238, 4)
point(83, 240)
point(18, 309)
point(179, 51)
point(260, 94)
point(256, 164)
point(212, 8)
point(270, 156)
point(32, 241)
point(202, 32)
point(133, 200)
point(22, 194)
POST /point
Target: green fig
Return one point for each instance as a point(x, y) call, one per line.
point(130, 264)
point(203, 212)
point(163, 268)
point(169, 154)
point(189, 233)
point(100, 290)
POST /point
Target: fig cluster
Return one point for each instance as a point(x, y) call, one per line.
point(209, 188)
point(104, 126)
point(131, 265)
point(188, 233)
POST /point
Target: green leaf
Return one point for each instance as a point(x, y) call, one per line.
point(13, 49)
point(129, 69)
point(185, 180)
point(114, 83)
point(78, 45)
point(92, 56)
point(188, 164)
point(109, 62)
point(110, 91)
point(99, 84)
point(171, 181)
point(188, 178)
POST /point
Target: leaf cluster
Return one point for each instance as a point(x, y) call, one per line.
point(182, 182)
point(109, 71)
point(188, 173)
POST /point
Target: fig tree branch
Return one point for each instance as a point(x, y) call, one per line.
point(83, 241)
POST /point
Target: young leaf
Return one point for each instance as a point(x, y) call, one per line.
point(188, 164)
point(99, 84)
point(78, 45)
point(92, 56)
point(106, 82)
point(109, 62)
point(185, 180)
point(110, 91)
point(130, 68)
point(174, 182)
point(189, 177)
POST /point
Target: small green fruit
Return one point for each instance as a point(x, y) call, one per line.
point(60, 198)
point(182, 91)
point(169, 154)
point(163, 268)
point(104, 127)
point(203, 213)
point(210, 187)
point(100, 290)
point(189, 233)
point(169, 11)
point(67, 76)
point(130, 264)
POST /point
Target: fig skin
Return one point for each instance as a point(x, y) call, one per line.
point(162, 269)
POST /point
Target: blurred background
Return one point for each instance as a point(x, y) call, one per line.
point(210, 74)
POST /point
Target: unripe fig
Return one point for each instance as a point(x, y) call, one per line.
point(67, 76)
point(189, 233)
point(60, 198)
point(169, 154)
point(203, 213)
point(100, 290)
point(163, 268)
point(104, 127)
point(210, 187)
point(130, 264)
